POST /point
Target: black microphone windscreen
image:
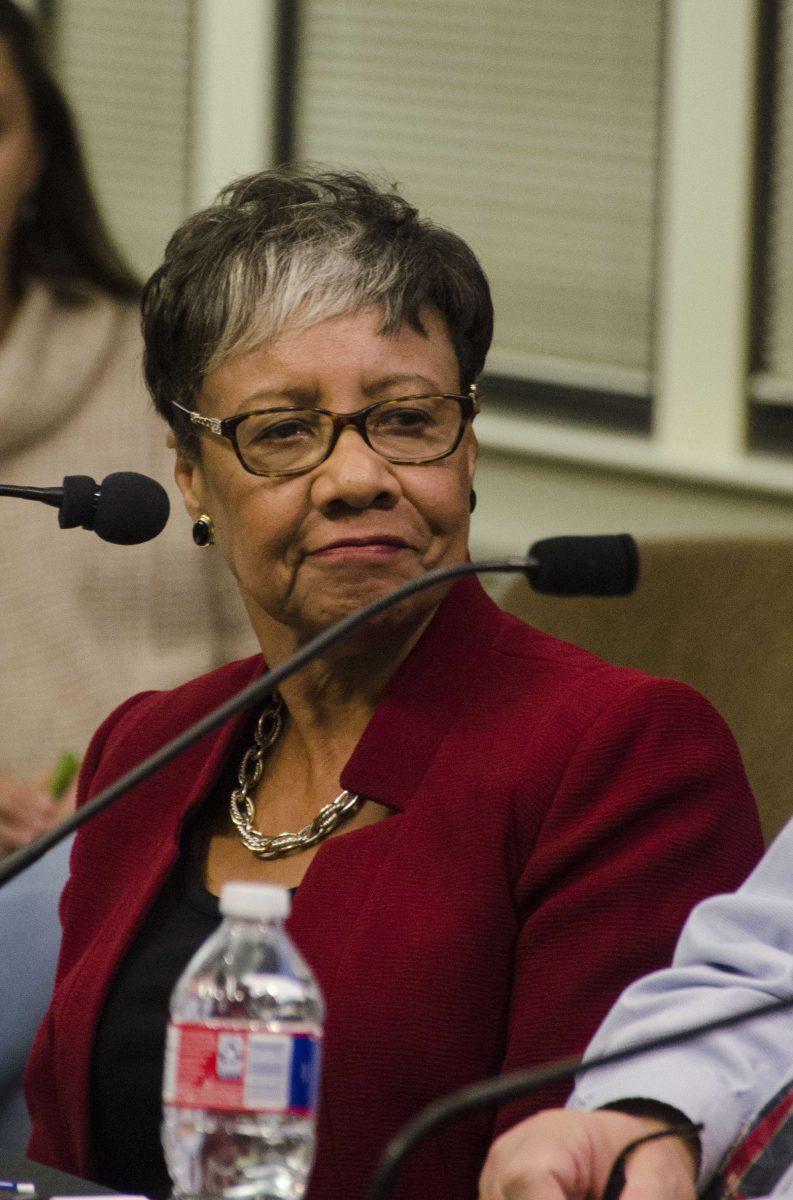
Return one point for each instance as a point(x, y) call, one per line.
point(606, 565)
point(132, 508)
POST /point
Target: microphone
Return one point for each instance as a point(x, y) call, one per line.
point(606, 565)
point(126, 508)
point(493, 1092)
point(617, 576)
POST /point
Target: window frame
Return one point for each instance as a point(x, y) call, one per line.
point(690, 417)
point(705, 281)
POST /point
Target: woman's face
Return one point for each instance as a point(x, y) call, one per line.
point(308, 549)
point(20, 156)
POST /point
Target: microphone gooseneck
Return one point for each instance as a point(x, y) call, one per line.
point(254, 693)
point(46, 495)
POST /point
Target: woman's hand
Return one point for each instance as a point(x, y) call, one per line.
point(27, 809)
point(566, 1155)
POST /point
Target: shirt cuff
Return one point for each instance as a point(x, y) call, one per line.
point(675, 1084)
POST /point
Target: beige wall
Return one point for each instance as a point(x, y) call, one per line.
point(521, 499)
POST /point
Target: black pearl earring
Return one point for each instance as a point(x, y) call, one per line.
point(471, 500)
point(203, 531)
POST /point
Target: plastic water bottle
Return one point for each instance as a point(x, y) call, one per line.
point(242, 1058)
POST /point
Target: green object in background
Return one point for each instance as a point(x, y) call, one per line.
point(66, 768)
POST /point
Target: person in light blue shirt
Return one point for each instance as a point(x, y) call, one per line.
point(30, 935)
point(735, 951)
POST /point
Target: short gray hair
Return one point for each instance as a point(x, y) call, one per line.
point(285, 249)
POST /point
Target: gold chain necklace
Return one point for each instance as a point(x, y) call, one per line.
point(279, 845)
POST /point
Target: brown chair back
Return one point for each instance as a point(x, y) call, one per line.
point(716, 613)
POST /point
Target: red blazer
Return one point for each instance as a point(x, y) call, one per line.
point(555, 819)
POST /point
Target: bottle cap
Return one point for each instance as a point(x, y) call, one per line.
point(259, 901)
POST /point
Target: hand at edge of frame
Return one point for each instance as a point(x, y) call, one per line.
point(564, 1154)
point(28, 809)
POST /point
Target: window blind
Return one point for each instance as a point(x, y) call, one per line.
point(774, 382)
point(125, 66)
point(530, 127)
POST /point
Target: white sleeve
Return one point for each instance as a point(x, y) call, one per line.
point(735, 951)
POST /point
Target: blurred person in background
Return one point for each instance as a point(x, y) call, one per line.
point(84, 622)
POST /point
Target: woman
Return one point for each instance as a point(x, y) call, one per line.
point(522, 828)
point(81, 619)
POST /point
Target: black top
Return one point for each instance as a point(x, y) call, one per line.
point(129, 1048)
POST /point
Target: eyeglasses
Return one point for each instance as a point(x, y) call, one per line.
point(287, 441)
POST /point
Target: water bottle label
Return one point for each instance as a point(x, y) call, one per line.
point(232, 1068)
